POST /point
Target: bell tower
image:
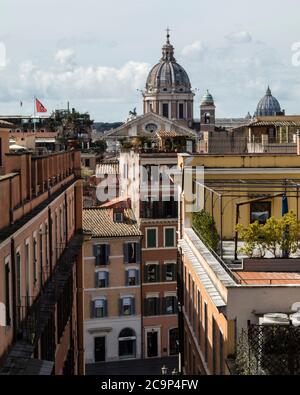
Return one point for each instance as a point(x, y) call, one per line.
point(207, 113)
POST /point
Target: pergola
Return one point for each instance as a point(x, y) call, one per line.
point(245, 191)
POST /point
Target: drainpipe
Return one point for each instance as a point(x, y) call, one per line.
point(298, 142)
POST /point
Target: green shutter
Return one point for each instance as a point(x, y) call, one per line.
point(151, 238)
point(169, 237)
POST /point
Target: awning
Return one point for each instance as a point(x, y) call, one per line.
point(45, 140)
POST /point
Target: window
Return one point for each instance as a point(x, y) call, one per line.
point(193, 306)
point(27, 272)
point(34, 261)
point(170, 305)
point(152, 273)
point(127, 343)
point(169, 237)
point(221, 353)
point(132, 277)
point(181, 114)
point(99, 308)
point(7, 293)
point(214, 346)
point(152, 306)
point(118, 217)
point(170, 272)
point(205, 333)
point(170, 208)
point(132, 253)
point(127, 306)
point(151, 240)
point(18, 281)
point(260, 211)
point(199, 315)
point(207, 118)
point(102, 279)
point(87, 163)
point(173, 341)
point(165, 110)
point(101, 253)
point(41, 255)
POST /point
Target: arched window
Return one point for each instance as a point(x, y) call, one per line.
point(127, 343)
point(207, 118)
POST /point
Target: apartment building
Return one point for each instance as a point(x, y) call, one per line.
point(144, 178)
point(231, 305)
point(112, 285)
point(40, 261)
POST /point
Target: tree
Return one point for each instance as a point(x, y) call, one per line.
point(254, 241)
point(290, 233)
point(278, 236)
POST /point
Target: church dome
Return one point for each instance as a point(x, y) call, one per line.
point(207, 99)
point(268, 105)
point(168, 75)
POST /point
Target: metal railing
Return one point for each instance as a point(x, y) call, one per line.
point(217, 257)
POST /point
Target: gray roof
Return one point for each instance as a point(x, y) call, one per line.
point(202, 274)
point(268, 105)
point(168, 75)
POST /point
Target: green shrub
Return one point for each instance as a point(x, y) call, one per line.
point(205, 226)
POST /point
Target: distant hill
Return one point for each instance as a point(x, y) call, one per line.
point(104, 126)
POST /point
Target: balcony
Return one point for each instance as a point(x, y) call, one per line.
point(37, 321)
point(268, 350)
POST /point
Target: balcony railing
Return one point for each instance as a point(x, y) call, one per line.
point(37, 318)
point(269, 350)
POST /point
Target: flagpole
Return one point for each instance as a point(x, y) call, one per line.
point(34, 113)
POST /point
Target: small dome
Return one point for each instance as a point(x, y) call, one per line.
point(268, 105)
point(207, 99)
point(168, 75)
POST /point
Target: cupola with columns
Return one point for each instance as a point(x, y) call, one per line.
point(168, 89)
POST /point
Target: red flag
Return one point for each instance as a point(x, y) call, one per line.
point(39, 106)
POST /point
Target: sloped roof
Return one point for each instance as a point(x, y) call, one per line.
point(174, 133)
point(99, 222)
point(151, 115)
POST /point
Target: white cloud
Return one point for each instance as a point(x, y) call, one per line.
point(89, 83)
point(195, 49)
point(65, 56)
point(241, 37)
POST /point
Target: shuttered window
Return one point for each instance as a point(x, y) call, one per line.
point(152, 274)
point(99, 308)
point(151, 238)
point(170, 272)
point(127, 306)
point(102, 279)
point(132, 253)
point(132, 277)
point(101, 253)
point(170, 305)
point(169, 237)
point(152, 306)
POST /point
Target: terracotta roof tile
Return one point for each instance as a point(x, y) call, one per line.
point(99, 222)
point(268, 278)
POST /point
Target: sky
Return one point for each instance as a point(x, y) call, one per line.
point(96, 54)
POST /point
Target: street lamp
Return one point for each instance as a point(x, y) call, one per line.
point(164, 370)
